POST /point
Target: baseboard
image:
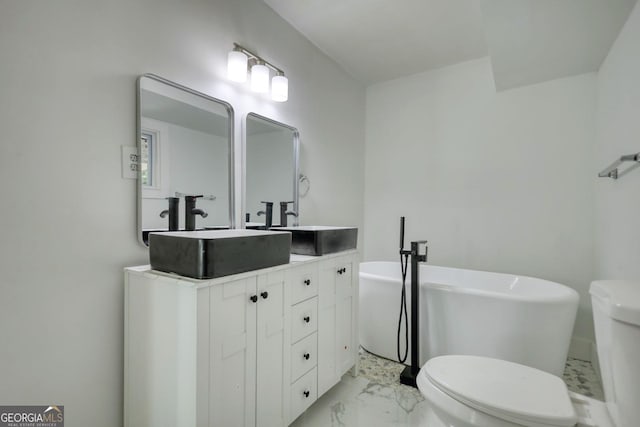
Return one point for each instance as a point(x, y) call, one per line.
point(582, 348)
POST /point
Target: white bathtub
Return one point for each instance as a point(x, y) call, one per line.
point(516, 318)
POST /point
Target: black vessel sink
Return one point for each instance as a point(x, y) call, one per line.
point(215, 253)
point(321, 240)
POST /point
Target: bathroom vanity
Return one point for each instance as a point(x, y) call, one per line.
point(250, 349)
point(229, 346)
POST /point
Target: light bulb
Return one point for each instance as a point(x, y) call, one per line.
point(237, 66)
point(279, 88)
point(260, 78)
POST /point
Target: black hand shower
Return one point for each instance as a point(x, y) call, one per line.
point(404, 262)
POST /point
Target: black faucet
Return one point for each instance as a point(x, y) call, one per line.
point(268, 212)
point(174, 203)
point(190, 212)
point(284, 213)
point(409, 374)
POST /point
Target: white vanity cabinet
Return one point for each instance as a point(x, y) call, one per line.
point(247, 350)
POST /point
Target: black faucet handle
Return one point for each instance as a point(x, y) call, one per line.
point(191, 199)
point(195, 196)
point(286, 203)
point(267, 203)
point(415, 250)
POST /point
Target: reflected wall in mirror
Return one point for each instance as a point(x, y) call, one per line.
point(185, 148)
point(271, 169)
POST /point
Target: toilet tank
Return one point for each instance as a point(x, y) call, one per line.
point(616, 316)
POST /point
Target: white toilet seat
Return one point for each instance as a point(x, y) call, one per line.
point(509, 393)
point(454, 412)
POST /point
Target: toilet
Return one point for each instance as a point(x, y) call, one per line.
point(474, 391)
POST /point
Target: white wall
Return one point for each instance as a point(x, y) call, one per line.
point(495, 181)
point(67, 103)
point(617, 205)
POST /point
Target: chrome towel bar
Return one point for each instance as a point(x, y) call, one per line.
point(612, 170)
point(203, 197)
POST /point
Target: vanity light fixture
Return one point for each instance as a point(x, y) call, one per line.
point(240, 60)
point(279, 88)
point(259, 77)
point(237, 66)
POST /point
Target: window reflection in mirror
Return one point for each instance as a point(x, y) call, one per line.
point(147, 162)
point(185, 149)
point(271, 168)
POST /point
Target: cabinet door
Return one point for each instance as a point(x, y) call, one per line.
point(273, 319)
point(336, 317)
point(232, 357)
point(345, 351)
point(327, 377)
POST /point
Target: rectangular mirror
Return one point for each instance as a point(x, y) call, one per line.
point(185, 150)
point(271, 170)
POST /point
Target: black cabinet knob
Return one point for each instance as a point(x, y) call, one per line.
point(342, 270)
point(307, 282)
point(306, 319)
point(254, 298)
point(264, 295)
point(306, 393)
point(306, 356)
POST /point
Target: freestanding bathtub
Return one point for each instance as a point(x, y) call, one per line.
point(515, 318)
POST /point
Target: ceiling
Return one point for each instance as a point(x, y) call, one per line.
point(528, 41)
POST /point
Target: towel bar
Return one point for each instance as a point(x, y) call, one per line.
point(612, 170)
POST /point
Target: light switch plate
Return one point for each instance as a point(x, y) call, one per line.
point(129, 162)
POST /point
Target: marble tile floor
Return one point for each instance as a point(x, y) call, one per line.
point(580, 377)
point(375, 398)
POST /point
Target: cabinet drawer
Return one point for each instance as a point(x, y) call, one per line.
point(304, 356)
point(304, 319)
point(303, 282)
point(303, 393)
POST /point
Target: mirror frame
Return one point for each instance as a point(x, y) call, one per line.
point(296, 166)
point(230, 159)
